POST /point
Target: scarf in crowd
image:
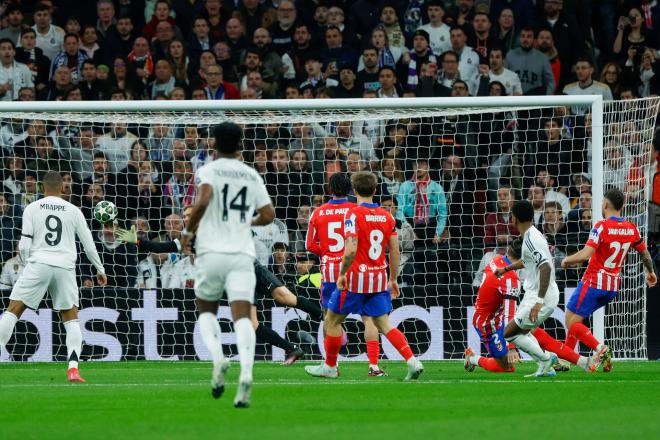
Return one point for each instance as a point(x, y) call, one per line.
point(385, 58)
point(422, 205)
point(413, 78)
point(180, 194)
point(145, 62)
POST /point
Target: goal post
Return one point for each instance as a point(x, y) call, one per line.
point(476, 148)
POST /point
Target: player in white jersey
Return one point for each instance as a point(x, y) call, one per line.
point(541, 291)
point(48, 245)
point(228, 192)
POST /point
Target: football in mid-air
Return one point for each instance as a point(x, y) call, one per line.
point(105, 212)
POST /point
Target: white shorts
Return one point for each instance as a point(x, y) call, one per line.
point(216, 274)
point(37, 278)
point(525, 307)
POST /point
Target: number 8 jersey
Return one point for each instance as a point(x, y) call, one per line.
point(238, 191)
point(372, 226)
point(612, 238)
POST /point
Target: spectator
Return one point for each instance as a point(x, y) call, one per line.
point(468, 59)
point(555, 231)
point(315, 76)
point(271, 61)
point(482, 38)
point(499, 230)
point(299, 234)
point(10, 225)
point(92, 89)
point(460, 88)
point(266, 236)
point(12, 268)
point(387, 55)
point(120, 39)
point(294, 60)
point(105, 11)
point(507, 30)
point(50, 38)
point(140, 64)
point(179, 191)
point(579, 232)
point(585, 85)
point(367, 77)
point(180, 62)
point(93, 193)
point(303, 182)
point(414, 59)
point(336, 53)
point(89, 45)
point(216, 86)
point(497, 72)
point(13, 75)
point(642, 71)
point(567, 35)
point(13, 176)
point(235, 39)
point(404, 231)
point(217, 15)
point(422, 202)
point(58, 87)
point(282, 265)
point(632, 34)
point(546, 44)
point(531, 65)
point(182, 274)
point(161, 44)
point(164, 81)
point(388, 83)
point(153, 270)
point(30, 189)
point(536, 196)
point(200, 39)
point(429, 82)
point(283, 29)
point(116, 144)
point(348, 87)
point(307, 269)
point(439, 38)
point(611, 76)
point(33, 57)
point(254, 15)
point(351, 141)
point(277, 184)
point(391, 175)
point(71, 57)
point(584, 202)
point(162, 12)
point(118, 258)
point(450, 72)
point(334, 159)
point(14, 16)
point(46, 158)
point(547, 182)
point(459, 197)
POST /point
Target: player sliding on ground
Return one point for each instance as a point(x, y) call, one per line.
point(267, 285)
point(325, 238)
point(495, 297)
point(362, 285)
point(48, 245)
point(228, 192)
point(606, 250)
point(541, 291)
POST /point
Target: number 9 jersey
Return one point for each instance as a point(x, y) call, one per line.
point(372, 226)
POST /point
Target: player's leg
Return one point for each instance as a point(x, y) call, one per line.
point(267, 335)
point(378, 306)
point(209, 286)
point(498, 361)
point(63, 290)
point(549, 343)
point(28, 292)
point(282, 295)
point(517, 332)
point(372, 339)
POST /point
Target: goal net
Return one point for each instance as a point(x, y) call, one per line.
point(450, 174)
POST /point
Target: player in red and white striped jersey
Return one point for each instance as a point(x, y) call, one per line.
point(325, 238)
point(363, 285)
point(606, 251)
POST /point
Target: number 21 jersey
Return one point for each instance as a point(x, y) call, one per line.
point(373, 227)
point(238, 191)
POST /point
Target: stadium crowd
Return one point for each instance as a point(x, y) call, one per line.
point(450, 181)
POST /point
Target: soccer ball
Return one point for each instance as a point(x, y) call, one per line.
point(105, 212)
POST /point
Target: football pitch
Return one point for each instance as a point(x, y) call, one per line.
point(173, 400)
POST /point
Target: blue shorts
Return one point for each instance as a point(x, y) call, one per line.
point(364, 304)
point(326, 293)
point(586, 300)
point(494, 342)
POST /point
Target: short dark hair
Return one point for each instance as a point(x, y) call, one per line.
point(364, 183)
point(616, 197)
point(340, 185)
point(528, 29)
point(100, 155)
point(71, 35)
point(52, 180)
point(228, 137)
point(8, 41)
point(27, 30)
point(523, 211)
point(515, 248)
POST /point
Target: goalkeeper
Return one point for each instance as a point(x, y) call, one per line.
point(267, 284)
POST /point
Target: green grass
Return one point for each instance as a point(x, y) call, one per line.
point(172, 400)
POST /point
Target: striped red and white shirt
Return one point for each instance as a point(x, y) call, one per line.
point(325, 236)
point(497, 297)
point(373, 227)
point(612, 238)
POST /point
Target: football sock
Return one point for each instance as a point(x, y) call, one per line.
point(310, 308)
point(73, 342)
point(582, 333)
point(373, 352)
point(399, 341)
point(7, 323)
point(209, 328)
point(270, 336)
point(332, 346)
point(530, 345)
point(491, 364)
point(245, 342)
point(549, 343)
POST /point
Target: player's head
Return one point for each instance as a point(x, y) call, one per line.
point(523, 212)
point(52, 183)
point(613, 202)
point(514, 251)
point(227, 138)
point(340, 185)
point(364, 183)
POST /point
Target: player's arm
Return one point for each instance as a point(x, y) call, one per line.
point(516, 265)
point(311, 241)
point(25, 242)
point(647, 261)
point(204, 196)
point(395, 258)
point(544, 281)
point(85, 236)
point(265, 215)
point(578, 258)
point(157, 247)
point(350, 251)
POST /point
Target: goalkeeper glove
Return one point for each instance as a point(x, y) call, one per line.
point(127, 236)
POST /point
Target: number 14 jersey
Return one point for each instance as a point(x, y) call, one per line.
point(372, 226)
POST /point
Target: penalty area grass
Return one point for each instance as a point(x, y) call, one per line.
point(173, 400)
